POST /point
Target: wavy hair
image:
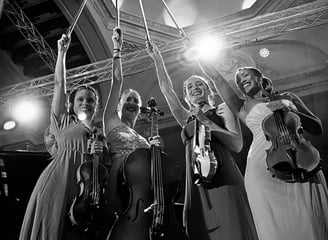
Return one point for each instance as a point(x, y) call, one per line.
point(72, 94)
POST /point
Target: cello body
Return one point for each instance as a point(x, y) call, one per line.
point(135, 220)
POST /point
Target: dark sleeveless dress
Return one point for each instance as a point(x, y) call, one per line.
point(220, 212)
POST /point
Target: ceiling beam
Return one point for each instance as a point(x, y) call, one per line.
point(237, 34)
point(16, 15)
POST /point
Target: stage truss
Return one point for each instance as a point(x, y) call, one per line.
point(242, 33)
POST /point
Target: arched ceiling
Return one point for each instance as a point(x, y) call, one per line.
point(292, 54)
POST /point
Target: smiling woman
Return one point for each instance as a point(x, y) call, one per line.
point(66, 140)
point(288, 200)
point(127, 149)
point(216, 207)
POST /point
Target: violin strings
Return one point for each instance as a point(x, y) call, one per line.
point(157, 178)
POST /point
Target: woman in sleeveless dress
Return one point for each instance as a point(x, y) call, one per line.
point(119, 119)
point(46, 216)
point(219, 210)
point(282, 210)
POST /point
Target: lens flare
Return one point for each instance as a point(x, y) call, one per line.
point(82, 116)
point(208, 48)
point(8, 125)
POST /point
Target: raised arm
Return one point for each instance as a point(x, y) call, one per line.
point(233, 140)
point(310, 122)
point(228, 95)
point(110, 116)
point(59, 96)
point(166, 86)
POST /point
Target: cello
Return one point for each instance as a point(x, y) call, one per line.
point(151, 183)
point(291, 157)
point(89, 210)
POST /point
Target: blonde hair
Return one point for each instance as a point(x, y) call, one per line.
point(185, 88)
point(126, 92)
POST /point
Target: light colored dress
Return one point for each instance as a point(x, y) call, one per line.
point(46, 216)
point(281, 210)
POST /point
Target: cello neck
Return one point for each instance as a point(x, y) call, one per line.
point(154, 125)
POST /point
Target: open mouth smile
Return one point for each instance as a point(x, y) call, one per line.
point(196, 92)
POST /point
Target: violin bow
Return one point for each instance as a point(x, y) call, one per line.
point(181, 31)
point(72, 26)
point(117, 14)
point(145, 21)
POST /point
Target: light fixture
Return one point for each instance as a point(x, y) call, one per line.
point(82, 116)
point(26, 111)
point(208, 48)
point(264, 52)
point(9, 125)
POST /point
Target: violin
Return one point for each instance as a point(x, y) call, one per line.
point(151, 183)
point(291, 157)
point(89, 210)
point(204, 162)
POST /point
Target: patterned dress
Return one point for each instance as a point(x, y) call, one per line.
point(220, 212)
point(282, 210)
point(46, 216)
point(123, 140)
point(130, 187)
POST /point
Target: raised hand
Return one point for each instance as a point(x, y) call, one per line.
point(198, 113)
point(282, 104)
point(96, 147)
point(117, 38)
point(153, 50)
point(157, 141)
point(63, 43)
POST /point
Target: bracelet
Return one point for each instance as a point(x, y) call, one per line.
point(117, 56)
point(117, 50)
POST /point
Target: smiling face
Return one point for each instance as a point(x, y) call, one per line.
point(130, 105)
point(196, 90)
point(248, 80)
point(85, 103)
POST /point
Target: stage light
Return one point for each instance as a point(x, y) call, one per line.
point(26, 111)
point(207, 48)
point(264, 52)
point(9, 125)
point(82, 116)
point(248, 3)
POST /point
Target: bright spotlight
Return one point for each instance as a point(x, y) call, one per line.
point(248, 3)
point(264, 52)
point(9, 125)
point(26, 111)
point(208, 48)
